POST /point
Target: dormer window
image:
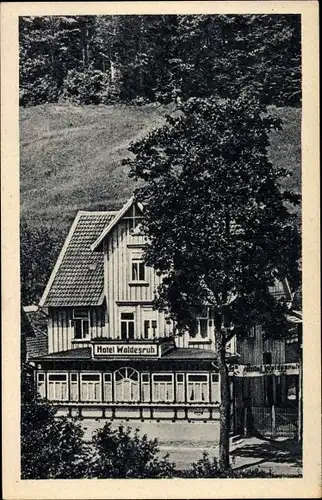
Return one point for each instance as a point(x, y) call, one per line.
point(81, 323)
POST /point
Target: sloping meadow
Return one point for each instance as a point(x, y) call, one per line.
point(71, 156)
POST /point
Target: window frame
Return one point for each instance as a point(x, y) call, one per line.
point(41, 384)
point(269, 355)
point(127, 322)
point(145, 384)
point(81, 320)
point(66, 381)
point(99, 381)
point(204, 315)
point(197, 383)
point(180, 385)
point(108, 385)
point(74, 384)
point(150, 316)
point(159, 400)
point(137, 267)
point(136, 383)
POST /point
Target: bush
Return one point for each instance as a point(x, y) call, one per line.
point(208, 468)
point(121, 454)
point(40, 90)
point(51, 447)
point(88, 86)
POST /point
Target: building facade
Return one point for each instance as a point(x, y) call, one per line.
point(110, 354)
point(266, 395)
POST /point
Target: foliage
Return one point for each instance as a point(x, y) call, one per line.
point(217, 224)
point(123, 454)
point(51, 447)
point(86, 87)
point(207, 468)
point(215, 216)
point(39, 249)
point(161, 57)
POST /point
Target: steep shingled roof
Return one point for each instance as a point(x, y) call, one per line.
point(78, 279)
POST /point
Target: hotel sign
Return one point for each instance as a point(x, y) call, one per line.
point(125, 350)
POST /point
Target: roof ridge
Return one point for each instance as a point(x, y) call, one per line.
point(97, 212)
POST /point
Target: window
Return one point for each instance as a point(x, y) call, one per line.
point(126, 385)
point(107, 387)
point(197, 385)
point(90, 387)
point(150, 323)
point(231, 346)
point(145, 387)
point(81, 323)
point(57, 387)
point(215, 388)
point(180, 387)
point(134, 216)
point(269, 390)
point(203, 324)
point(267, 358)
point(127, 325)
point(138, 271)
point(150, 328)
point(292, 389)
point(162, 387)
point(74, 387)
point(41, 388)
point(252, 332)
point(138, 267)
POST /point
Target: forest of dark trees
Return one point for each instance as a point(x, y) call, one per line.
point(141, 59)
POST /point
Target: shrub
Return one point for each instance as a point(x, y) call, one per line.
point(38, 91)
point(120, 453)
point(51, 447)
point(88, 86)
point(207, 467)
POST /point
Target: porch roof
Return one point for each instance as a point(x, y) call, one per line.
point(85, 353)
point(179, 353)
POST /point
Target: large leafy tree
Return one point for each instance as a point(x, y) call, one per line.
point(216, 218)
point(156, 58)
point(223, 54)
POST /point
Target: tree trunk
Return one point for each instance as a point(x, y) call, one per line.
point(224, 403)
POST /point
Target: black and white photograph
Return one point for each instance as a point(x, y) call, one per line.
point(160, 243)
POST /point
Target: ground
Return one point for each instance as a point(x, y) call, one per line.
point(281, 457)
point(185, 443)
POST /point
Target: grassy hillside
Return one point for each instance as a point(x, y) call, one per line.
point(71, 157)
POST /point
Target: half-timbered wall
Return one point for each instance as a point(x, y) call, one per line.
point(61, 328)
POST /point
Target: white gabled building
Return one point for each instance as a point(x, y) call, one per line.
point(110, 354)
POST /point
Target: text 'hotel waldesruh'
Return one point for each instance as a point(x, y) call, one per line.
point(110, 353)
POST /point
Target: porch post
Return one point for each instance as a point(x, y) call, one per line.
point(273, 407)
